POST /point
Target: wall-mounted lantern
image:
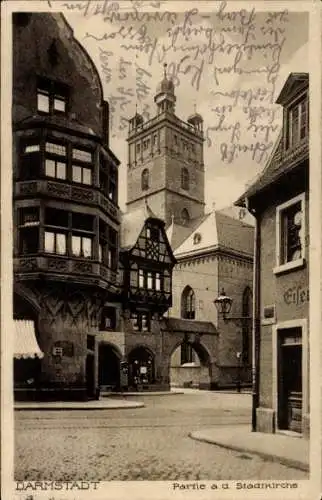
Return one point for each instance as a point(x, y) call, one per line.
point(223, 304)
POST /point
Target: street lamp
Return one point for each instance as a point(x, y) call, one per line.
point(223, 304)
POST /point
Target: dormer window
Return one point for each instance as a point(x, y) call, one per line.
point(297, 122)
point(51, 97)
point(197, 238)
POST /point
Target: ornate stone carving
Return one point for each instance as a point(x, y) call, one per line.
point(107, 205)
point(82, 267)
point(57, 264)
point(27, 187)
point(52, 304)
point(81, 194)
point(28, 264)
point(58, 189)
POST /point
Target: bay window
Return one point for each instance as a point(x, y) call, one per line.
point(82, 166)
point(55, 160)
point(30, 160)
point(81, 246)
point(55, 242)
point(150, 280)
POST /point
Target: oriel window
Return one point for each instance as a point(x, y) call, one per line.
point(55, 160)
point(82, 166)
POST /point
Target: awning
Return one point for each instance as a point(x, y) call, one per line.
point(26, 345)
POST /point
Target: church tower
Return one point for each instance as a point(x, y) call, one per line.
point(165, 161)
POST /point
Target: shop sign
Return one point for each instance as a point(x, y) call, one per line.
point(296, 295)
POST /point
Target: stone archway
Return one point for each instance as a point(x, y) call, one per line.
point(190, 365)
point(109, 359)
point(141, 363)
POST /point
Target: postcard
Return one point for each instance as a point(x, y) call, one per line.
point(161, 249)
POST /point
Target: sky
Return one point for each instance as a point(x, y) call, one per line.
point(228, 66)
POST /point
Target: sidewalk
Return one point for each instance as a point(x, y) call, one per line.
point(102, 404)
point(125, 394)
point(289, 450)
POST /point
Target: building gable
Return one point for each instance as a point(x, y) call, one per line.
point(152, 244)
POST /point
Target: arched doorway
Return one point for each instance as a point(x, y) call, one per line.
point(108, 367)
point(141, 366)
point(190, 366)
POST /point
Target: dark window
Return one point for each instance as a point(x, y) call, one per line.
point(28, 216)
point(91, 342)
point(185, 179)
point(56, 218)
point(108, 179)
point(291, 233)
point(108, 319)
point(153, 233)
point(141, 321)
point(112, 187)
point(145, 179)
point(197, 239)
point(188, 303)
point(187, 354)
point(103, 242)
point(29, 165)
point(185, 217)
point(28, 240)
point(112, 249)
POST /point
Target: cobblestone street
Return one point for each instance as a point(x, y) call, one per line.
point(150, 443)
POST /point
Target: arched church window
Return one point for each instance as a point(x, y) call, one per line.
point(185, 217)
point(145, 179)
point(188, 303)
point(185, 179)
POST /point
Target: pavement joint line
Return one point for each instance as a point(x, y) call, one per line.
point(295, 464)
point(131, 406)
